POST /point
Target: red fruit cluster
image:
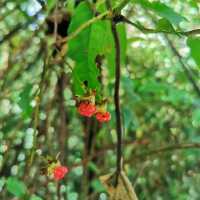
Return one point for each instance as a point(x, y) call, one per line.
point(59, 172)
point(86, 109)
point(103, 116)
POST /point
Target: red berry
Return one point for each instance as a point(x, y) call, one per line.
point(59, 172)
point(103, 116)
point(86, 109)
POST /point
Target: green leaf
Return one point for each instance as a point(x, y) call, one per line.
point(50, 4)
point(97, 186)
point(83, 49)
point(164, 25)
point(78, 47)
point(194, 44)
point(163, 11)
point(194, 4)
point(16, 187)
point(93, 167)
point(25, 101)
point(94, 40)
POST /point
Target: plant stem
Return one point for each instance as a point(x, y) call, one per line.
point(146, 30)
point(116, 95)
point(117, 9)
point(185, 67)
point(38, 99)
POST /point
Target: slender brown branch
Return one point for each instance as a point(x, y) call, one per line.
point(17, 28)
point(186, 69)
point(105, 14)
point(121, 5)
point(38, 99)
point(146, 30)
point(107, 148)
point(83, 26)
point(116, 93)
point(168, 148)
point(116, 97)
point(62, 128)
point(192, 32)
point(141, 156)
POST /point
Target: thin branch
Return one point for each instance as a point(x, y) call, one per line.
point(55, 22)
point(116, 93)
point(83, 26)
point(107, 148)
point(150, 30)
point(118, 8)
point(121, 6)
point(62, 128)
point(188, 72)
point(141, 156)
point(116, 97)
point(17, 28)
point(12, 32)
point(185, 67)
point(38, 99)
point(169, 148)
point(192, 32)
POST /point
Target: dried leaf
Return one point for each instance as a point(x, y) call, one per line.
point(123, 191)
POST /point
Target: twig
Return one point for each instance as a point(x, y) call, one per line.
point(55, 22)
point(38, 98)
point(107, 148)
point(17, 28)
point(116, 97)
point(121, 6)
point(150, 30)
point(169, 148)
point(186, 69)
point(141, 156)
point(118, 8)
point(83, 26)
point(116, 94)
point(140, 173)
point(62, 127)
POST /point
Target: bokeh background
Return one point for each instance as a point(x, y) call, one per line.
point(160, 104)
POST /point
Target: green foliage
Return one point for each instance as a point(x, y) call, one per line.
point(160, 107)
point(81, 48)
point(16, 187)
point(25, 101)
point(34, 197)
point(97, 186)
point(163, 11)
point(91, 42)
point(164, 25)
point(194, 44)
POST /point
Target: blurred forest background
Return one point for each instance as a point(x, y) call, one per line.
point(41, 72)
